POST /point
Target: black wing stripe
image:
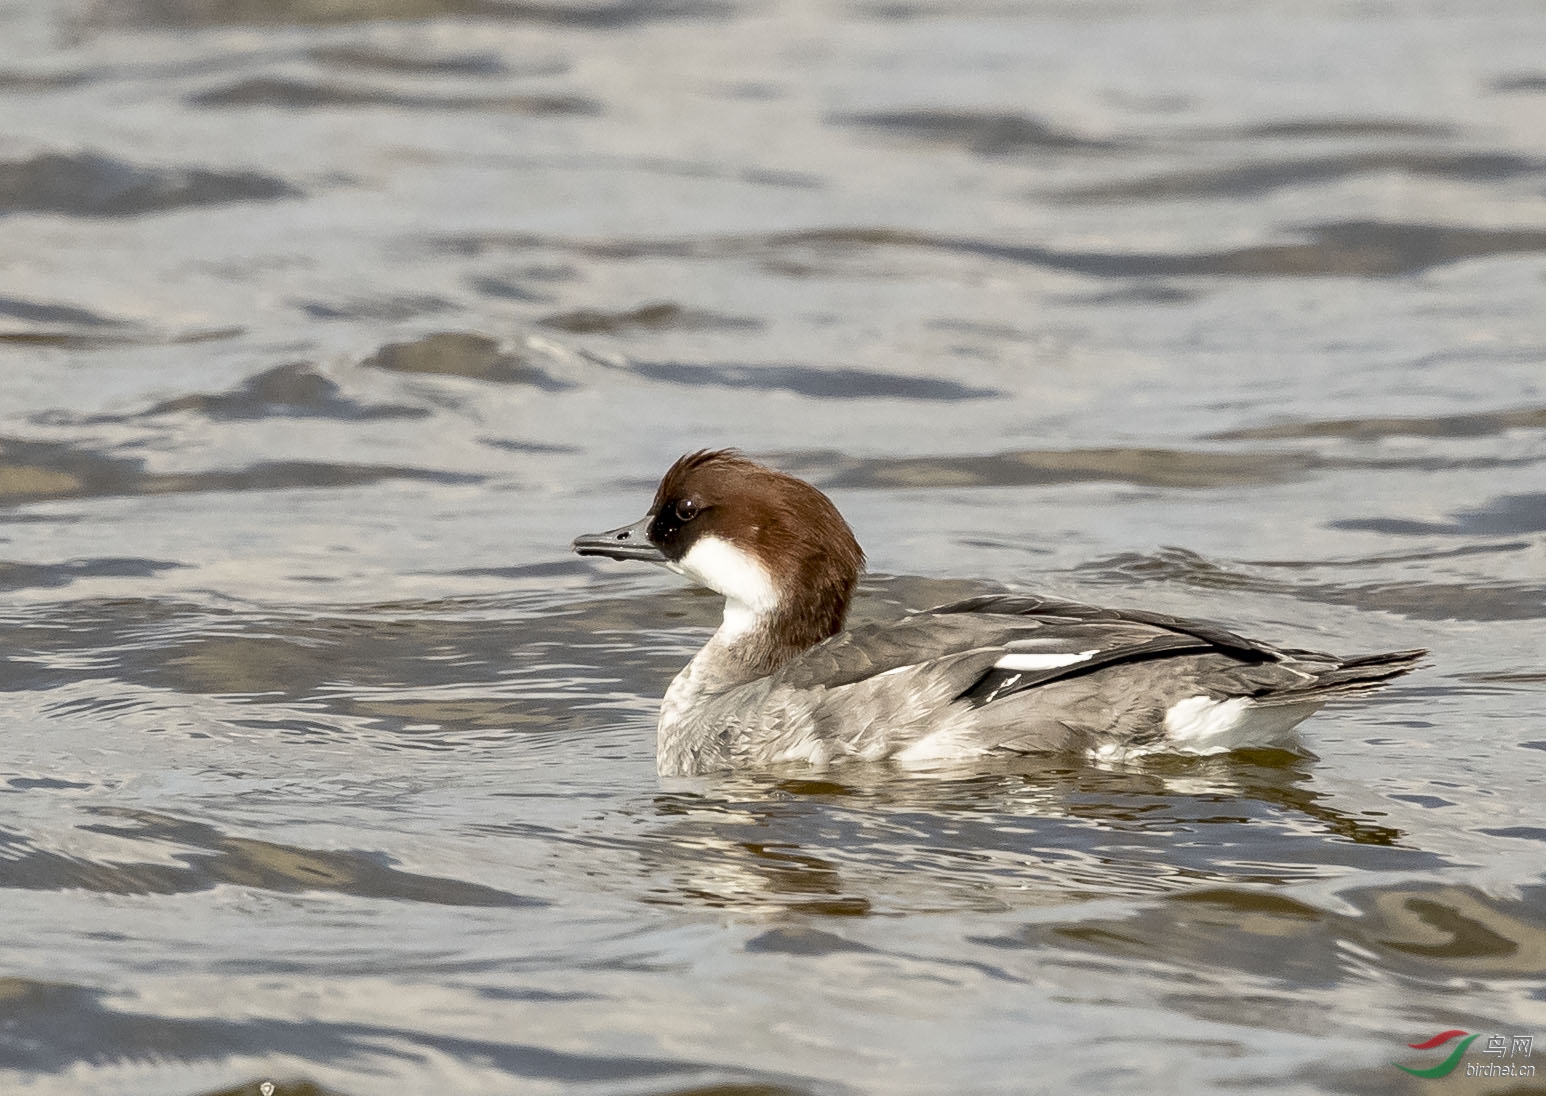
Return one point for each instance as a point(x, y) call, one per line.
point(997, 682)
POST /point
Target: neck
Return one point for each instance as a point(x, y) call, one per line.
point(748, 647)
point(756, 644)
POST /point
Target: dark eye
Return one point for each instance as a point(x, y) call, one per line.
point(686, 510)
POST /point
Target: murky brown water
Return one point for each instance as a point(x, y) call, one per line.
point(326, 324)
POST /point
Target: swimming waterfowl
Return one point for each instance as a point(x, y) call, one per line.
point(781, 681)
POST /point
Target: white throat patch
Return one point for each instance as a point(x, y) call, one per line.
point(746, 585)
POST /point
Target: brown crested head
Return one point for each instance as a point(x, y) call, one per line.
point(784, 524)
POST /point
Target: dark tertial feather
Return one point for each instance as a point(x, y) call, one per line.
point(1215, 635)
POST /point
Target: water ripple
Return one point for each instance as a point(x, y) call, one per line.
point(1482, 600)
point(212, 858)
point(593, 15)
point(1254, 179)
point(985, 133)
point(91, 185)
point(51, 1027)
point(1348, 248)
point(295, 94)
point(478, 357)
point(36, 470)
point(1431, 933)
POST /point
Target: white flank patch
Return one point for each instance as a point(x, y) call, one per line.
point(1200, 724)
point(746, 585)
point(1020, 661)
point(1203, 724)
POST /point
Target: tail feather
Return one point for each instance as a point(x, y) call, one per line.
point(1344, 676)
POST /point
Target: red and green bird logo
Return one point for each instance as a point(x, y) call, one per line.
point(1447, 1066)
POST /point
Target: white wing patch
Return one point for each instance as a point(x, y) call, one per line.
point(1020, 660)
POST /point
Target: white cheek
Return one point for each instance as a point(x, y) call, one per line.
point(733, 572)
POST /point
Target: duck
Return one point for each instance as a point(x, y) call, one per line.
point(782, 682)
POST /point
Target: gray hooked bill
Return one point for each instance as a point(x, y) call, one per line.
point(624, 542)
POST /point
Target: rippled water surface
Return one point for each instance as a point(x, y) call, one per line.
point(326, 324)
